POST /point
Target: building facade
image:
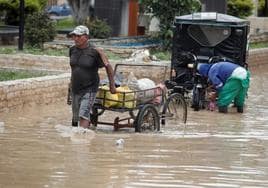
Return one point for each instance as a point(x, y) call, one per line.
point(121, 15)
point(56, 2)
point(219, 6)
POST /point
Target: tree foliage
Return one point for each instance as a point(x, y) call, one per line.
point(39, 29)
point(240, 8)
point(166, 11)
point(80, 10)
point(98, 28)
point(83, 15)
point(43, 4)
point(10, 9)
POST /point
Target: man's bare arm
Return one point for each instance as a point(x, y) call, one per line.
point(109, 70)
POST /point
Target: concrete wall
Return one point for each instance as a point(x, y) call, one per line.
point(214, 6)
point(258, 29)
point(258, 25)
point(50, 89)
point(35, 62)
point(41, 90)
point(255, 38)
point(258, 58)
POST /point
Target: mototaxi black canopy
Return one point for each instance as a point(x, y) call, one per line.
point(211, 34)
point(211, 18)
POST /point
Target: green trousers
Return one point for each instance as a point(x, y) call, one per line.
point(234, 90)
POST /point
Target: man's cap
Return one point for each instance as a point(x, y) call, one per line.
point(80, 30)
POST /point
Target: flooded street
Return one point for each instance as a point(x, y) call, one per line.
point(39, 149)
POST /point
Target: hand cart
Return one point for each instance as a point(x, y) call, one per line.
point(145, 112)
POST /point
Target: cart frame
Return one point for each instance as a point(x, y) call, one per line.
point(143, 116)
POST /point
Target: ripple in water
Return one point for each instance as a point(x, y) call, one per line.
point(77, 135)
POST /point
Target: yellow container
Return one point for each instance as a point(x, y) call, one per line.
point(126, 97)
point(106, 97)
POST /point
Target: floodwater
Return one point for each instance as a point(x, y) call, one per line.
point(39, 149)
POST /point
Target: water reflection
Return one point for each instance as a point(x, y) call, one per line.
point(40, 149)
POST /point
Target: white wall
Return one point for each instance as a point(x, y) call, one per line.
point(258, 24)
point(154, 25)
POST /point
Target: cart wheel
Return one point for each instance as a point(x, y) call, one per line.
point(174, 110)
point(198, 99)
point(147, 119)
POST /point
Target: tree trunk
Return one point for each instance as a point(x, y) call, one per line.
point(80, 10)
point(266, 8)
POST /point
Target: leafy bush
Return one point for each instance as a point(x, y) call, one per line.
point(240, 8)
point(161, 54)
point(11, 9)
point(39, 29)
point(98, 28)
point(43, 4)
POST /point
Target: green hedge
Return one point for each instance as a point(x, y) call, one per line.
point(240, 8)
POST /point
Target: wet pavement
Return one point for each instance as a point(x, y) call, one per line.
point(40, 149)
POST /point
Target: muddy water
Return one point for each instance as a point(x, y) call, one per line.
point(38, 148)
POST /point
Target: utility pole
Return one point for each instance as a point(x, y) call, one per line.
point(21, 27)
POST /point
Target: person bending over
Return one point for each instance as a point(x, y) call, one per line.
point(231, 82)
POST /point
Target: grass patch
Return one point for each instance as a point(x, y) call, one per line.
point(34, 51)
point(112, 55)
point(65, 23)
point(6, 75)
point(51, 52)
point(258, 45)
point(160, 54)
